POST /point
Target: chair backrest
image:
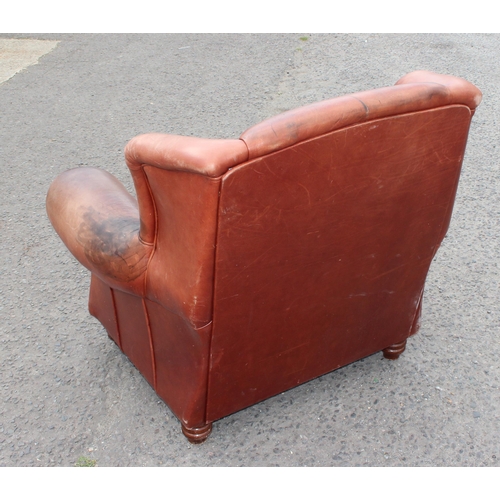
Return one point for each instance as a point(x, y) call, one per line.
point(326, 233)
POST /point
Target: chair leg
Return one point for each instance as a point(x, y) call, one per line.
point(197, 435)
point(395, 350)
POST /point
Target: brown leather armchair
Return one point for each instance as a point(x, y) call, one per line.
point(247, 267)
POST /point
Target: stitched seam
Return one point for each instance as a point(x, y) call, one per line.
point(216, 241)
point(153, 244)
point(146, 314)
point(115, 312)
point(151, 345)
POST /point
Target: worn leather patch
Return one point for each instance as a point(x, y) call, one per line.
point(112, 244)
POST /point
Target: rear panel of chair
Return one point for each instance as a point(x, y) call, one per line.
point(323, 249)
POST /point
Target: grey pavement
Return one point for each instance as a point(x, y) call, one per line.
point(66, 391)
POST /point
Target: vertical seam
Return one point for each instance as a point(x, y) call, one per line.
point(453, 194)
point(419, 306)
point(151, 345)
point(115, 312)
point(155, 239)
point(144, 292)
point(216, 246)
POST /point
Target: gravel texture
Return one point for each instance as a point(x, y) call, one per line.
point(66, 391)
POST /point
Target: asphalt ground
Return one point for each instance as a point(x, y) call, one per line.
point(67, 392)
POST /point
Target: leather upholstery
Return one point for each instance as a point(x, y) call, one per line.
point(249, 266)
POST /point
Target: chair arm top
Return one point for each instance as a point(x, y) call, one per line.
point(210, 157)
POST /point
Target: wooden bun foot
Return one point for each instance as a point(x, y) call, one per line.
point(197, 435)
point(395, 350)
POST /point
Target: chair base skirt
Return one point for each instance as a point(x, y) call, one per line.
point(149, 335)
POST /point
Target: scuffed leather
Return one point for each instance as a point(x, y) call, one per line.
point(323, 249)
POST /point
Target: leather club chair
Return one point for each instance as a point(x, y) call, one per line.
point(249, 266)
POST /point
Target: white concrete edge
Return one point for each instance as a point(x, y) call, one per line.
point(18, 54)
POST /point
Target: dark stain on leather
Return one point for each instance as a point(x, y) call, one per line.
point(112, 245)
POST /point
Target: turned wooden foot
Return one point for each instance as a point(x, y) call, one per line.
point(197, 435)
point(395, 350)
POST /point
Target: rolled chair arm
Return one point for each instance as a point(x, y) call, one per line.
point(98, 220)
